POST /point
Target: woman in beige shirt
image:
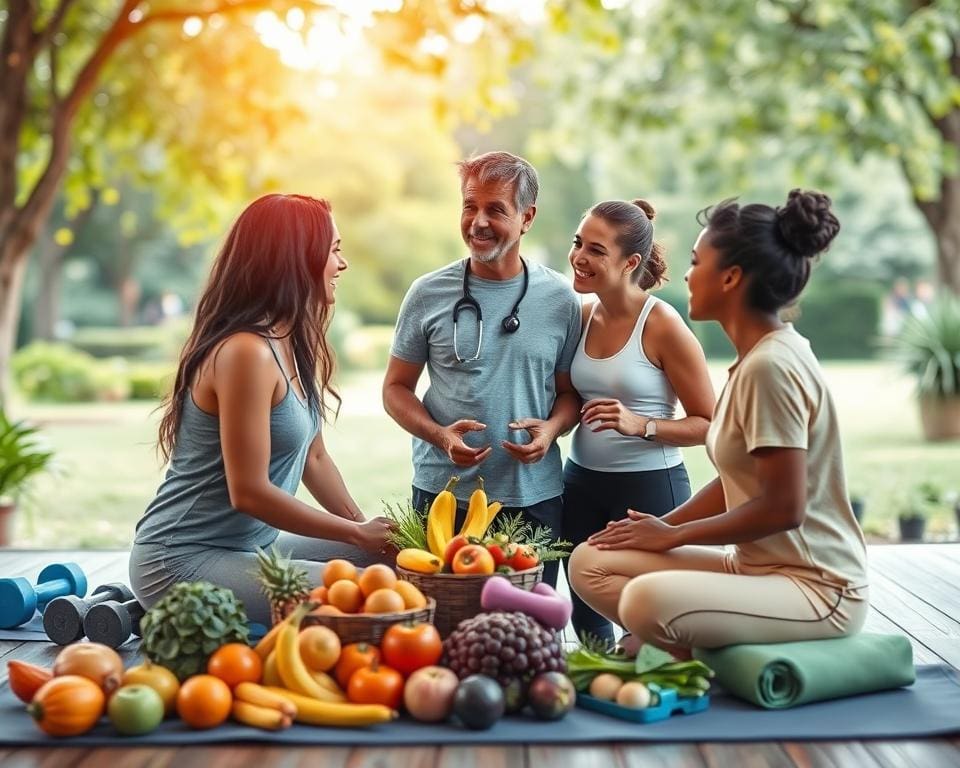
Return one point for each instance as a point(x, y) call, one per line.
point(797, 567)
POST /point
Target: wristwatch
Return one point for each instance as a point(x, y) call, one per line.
point(650, 431)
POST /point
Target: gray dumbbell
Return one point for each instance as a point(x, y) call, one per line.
point(111, 623)
point(63, 617)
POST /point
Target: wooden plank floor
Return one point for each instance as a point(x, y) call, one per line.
point(915, 591)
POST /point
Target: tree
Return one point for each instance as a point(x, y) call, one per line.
point(71, 85)
point(745, 84)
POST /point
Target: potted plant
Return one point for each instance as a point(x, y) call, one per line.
point(22, 457)
point(929, 345)
point(925, 499)
point(857, 504)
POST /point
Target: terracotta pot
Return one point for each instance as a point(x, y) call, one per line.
point(8, 518)
point(940, 417)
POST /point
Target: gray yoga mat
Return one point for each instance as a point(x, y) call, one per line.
point(32, 630)
point(930, 707)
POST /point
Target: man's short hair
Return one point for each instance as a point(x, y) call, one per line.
point(503, 167)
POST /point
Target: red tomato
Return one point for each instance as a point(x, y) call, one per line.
point(473, 558)
point(411, 646)
point(502, 552)
point(523, 558)
point(353, 657)
point(376, 685)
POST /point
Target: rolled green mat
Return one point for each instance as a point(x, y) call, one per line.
point(782, 675)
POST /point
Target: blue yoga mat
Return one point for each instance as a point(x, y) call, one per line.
point(33, 631)
point(930, 707)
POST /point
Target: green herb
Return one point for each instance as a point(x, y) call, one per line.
point(411, 530)
point(540, 538)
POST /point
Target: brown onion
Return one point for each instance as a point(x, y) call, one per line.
point(93, 661)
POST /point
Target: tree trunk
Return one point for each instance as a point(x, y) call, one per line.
point(943, 216)
point(13, 268)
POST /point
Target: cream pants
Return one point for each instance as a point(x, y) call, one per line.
point(690, 597)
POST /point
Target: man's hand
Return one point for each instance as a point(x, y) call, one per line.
point(637, 531)
point(461, 454)
point(606, 413)
point(541, 438)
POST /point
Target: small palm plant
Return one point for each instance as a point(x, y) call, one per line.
point(22, 457)
point(929, 346)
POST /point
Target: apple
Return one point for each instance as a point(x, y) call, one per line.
point(454, 546)
point(428, 694)
point(161, 679)
point(135, 710)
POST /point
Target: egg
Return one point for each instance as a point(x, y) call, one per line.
point(634, 696)
point(605, 686)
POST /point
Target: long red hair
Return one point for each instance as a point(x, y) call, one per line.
point(268, 273)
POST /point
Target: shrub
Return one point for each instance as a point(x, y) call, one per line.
point(61, 373)
point(841, 319)
point(151, 381)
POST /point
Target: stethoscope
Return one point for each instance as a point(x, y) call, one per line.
point(510, 323)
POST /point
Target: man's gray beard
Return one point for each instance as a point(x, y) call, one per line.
point(488, 257)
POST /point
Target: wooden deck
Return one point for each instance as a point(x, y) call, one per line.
point(915, 591)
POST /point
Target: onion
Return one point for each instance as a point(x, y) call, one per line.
point(93, 661)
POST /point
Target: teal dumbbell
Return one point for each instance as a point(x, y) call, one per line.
point(19, 599)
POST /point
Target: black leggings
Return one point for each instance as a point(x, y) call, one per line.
point(592, 499)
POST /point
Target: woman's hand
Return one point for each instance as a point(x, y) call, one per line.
point(637, 531)
point(606, 413)
point(372, 535)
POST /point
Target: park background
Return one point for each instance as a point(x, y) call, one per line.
point(131, 135)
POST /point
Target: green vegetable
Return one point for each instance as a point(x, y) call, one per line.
point(192, 620)
point(520, 531)
point(651, 666)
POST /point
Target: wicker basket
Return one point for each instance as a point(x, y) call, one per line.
point(458, 594)
point(369, 627)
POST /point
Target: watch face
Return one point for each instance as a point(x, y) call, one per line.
point(651, 429)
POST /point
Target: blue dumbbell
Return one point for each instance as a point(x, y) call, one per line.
point(19, 599)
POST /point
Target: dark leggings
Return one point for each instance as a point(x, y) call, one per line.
point(592, 499)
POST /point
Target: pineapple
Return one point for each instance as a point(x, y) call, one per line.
point(286, 585)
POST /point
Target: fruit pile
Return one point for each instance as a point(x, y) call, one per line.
point(483, 545)
point(375, 591)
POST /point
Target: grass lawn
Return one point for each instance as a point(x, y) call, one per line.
point(109, 471)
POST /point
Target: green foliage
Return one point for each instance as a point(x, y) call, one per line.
point(925, 500)
point(22, 456)
point(58, 372)
point(189, 623)
point(151, 381)
point(144, 342)
point(929, 346)
point(841, 319)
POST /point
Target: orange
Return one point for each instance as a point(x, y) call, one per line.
point(384, 601)
point(326, 610)
point(319, 648)
point(204, 701)
point(235, 663)
point(346, 596)
point(376, 577)
point(318, 595)
point(336, 570)
point(412, 597)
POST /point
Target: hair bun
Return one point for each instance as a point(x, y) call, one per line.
point(806, 223)
point(644, 206)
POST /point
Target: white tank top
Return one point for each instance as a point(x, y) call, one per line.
point(631, 378)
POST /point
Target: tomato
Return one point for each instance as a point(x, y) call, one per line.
point(501, 549)
point(376, 685)
point(411, 646)
point(235, 663)
point(523, 558)
point(352, 658)
point(453, 546)
point(473, 558)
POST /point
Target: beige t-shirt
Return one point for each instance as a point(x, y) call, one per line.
point(776, 398)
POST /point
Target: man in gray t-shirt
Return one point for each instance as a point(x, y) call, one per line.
point(500, 391)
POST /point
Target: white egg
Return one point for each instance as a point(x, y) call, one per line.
point(634, 695)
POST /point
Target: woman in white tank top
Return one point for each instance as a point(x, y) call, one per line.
point(635, 360)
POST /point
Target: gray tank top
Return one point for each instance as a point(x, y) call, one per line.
point(192, 505)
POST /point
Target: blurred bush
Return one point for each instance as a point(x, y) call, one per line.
point(59, 372)
point(151, 381)
point(145, 342)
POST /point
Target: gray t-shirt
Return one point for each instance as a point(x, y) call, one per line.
point(513, 378)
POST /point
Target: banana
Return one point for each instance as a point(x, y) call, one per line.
point(268, 642)
point(443, 512)
point(270, 674)
point(257, 695)
point(492, 511)
point(476, 521)
point(293, 672)
point(314, 712)
point(325, 681)
point(419, 560)
point(260, 717)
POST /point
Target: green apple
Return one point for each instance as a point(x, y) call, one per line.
point(135, 710)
